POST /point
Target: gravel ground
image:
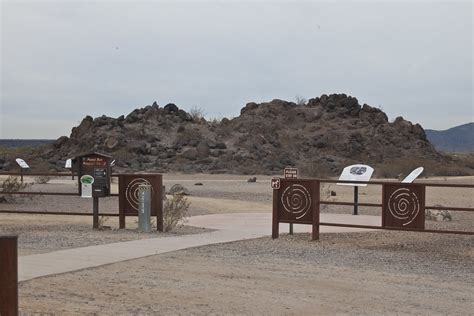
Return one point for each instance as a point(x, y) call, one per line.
point(357, 273)
point(45, 233)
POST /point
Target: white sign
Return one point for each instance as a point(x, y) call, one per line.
point(86, 186)
point(356, 173)
point(291, 173)
point(22, 163)
point(276, 183)
point(413, 175)
point(68, 164)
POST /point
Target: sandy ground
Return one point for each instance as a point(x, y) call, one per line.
point(358, 273)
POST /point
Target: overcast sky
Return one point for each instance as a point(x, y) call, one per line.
point(63, 60)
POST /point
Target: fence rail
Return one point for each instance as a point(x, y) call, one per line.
point(403, 205)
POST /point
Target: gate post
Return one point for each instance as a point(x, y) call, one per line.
point(9, 275)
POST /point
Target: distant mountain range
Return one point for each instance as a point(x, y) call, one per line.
point(16, 143)
point(456, 139)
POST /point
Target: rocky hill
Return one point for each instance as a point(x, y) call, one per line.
point(456, 139)
point(320, 137)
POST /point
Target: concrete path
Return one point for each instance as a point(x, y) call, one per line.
point(229, 227)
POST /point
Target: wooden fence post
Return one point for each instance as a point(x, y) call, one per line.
point(8, 275)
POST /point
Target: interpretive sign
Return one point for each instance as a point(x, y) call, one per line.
point(68, 164)
point(356, 173)
point(413, 175)
point(98, 166)
point(22, 163)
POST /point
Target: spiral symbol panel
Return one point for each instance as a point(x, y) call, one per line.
point(404, 205)
point(296, 200)
point(131, 192)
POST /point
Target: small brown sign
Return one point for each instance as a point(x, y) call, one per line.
point(291, 173)
point(276, 183)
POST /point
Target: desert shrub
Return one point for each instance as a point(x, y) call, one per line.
point(12, 184)
point(175, 210)
point(197, 113)
point(42, 179)
point(300, 100)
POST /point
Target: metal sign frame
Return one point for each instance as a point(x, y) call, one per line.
point(129, 196)
point(296, 202)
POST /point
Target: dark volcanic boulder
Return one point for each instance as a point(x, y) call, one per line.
point(171, 108)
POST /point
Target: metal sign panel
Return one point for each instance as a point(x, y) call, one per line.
point(128, 192)
point(413, 175)
point(356, 173)
point(403, 206)
point(296, 202)
point(291, 173)
point(129, 196)
point(68, 164)
point(22, 163)
point(86, 186)
point(275, 183)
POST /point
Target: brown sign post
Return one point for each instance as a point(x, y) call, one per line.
point(128, 196)
point(296, 202)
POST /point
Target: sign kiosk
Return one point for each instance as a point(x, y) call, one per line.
point(94, 173)
point(356, 173)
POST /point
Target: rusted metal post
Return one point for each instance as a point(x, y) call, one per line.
point(95, 212)
point(316, 199)
point(275, 221)
point(8, 275)
point(356, 200)
point(159, 201)
point(291, 229)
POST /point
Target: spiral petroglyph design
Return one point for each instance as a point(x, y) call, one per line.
point(404, 205)
point(296, 200)
point(131, 192)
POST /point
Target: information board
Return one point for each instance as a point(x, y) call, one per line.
point(356, 173)
point(22, 163)
point(413, 175)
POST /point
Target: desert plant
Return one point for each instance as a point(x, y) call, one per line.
point(300, 100)
point(196, 113)
point(102, 221)
point(11, 184)
point(42, 179)
point(174, 212)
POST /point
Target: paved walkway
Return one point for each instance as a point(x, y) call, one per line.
point(229, 227)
